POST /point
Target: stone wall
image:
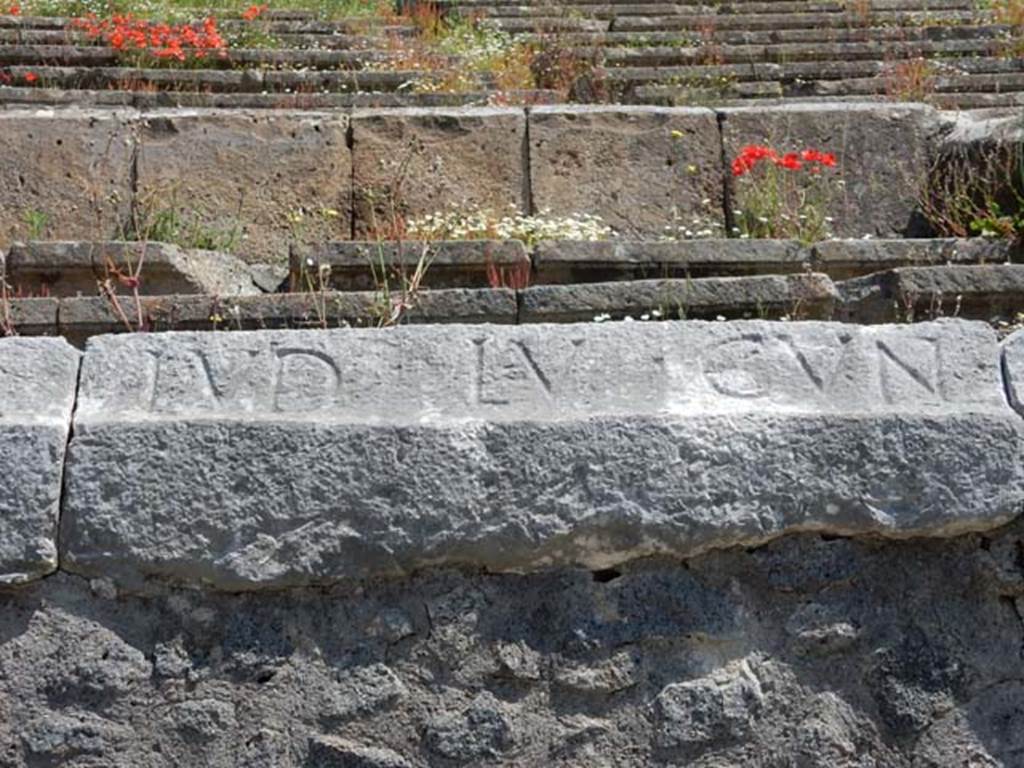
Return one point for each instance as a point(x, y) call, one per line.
point(696, 544)
point(338, 175)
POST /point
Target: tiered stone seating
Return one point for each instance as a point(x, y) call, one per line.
point(948, 53)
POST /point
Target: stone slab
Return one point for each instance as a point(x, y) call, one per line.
point(70, 268)
point(799, 296)
point(561, 261)
point(69, 169)
point(37, 392)
point(641, 169)
point(363, 265)
point(277, 459)
point(82, 317)
point(30, 316)
point(849, 258)
point(881, 149)
point(418, 161)
point(272, 177)
point(984, 292)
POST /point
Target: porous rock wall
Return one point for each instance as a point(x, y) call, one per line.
point(686, 544)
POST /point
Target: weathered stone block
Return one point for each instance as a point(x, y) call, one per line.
point(802, 296)
point(70, 170)
point(271, 459)
point(37, 393)
point(30, 317)
point(882, 152)
point(849, 258)
point(980, 291)
point(267, 178)
point(366, 265)
point(1013, 370)
point(580, 261)
point(641, 169)
point(72, 268)
point(414, 162)
point(81, 317)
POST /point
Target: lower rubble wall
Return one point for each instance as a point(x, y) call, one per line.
point(808, 651)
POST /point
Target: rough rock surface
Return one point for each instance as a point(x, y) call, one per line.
point(981, 291)
point(63, 268)
point(70, 170)
point(579, 158)
point(37, 392)
point(800, 296)
point(289, 458)
point(261, 179)
point(882, 152)
point(416, 162)
point(810, 651)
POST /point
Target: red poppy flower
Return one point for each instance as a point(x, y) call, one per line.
point(253, 11)
point(31, 77)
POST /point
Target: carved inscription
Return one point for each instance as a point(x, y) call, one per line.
point(512, 372)
point(913, 371)
point(765, 365)
point(664, 368)
point(198, 380)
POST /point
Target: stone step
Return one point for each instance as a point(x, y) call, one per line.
point(356, 265)
point(779, 36)
point(798, 296)
point(939, 84)
point(73, 268)
point(567, 262)
point(66, 268)
point(210, 81)
point(789, 52)
point(78, 56)
point(988, 292)
point(809, 71)
point(444, 432)
point(993, 293)
point(774, 94)
point(356, 25)
point(79, 318)
point(302, 41)
point(768, 21)
point(17, 97)
point(665, 10)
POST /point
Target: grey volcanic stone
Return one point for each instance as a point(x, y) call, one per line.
point(362, 265)
point(882, 152)
point(274, 459)
point(1013, 370)
point(334, 752)
point(82, 317)
point(559, 261)
point(413, 162)
point(798, 296)
point(849, 258)
point(248, 173)
point(64, 268)
point(37, 393)
point(980, 291)
point(72, 166)
point(641, 169)
point(199, 678)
